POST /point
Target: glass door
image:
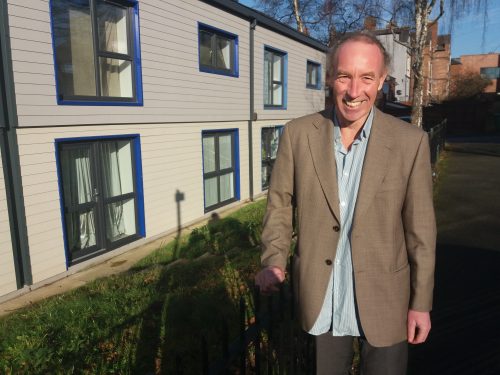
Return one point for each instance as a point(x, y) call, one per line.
point(80, 196)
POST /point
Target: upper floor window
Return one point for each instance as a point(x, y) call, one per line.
point(491, 73)
point(274, 78)
point(96, 52)
point(313, 75)
point(218, 51)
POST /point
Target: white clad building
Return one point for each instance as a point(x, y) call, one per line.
point(116, 112)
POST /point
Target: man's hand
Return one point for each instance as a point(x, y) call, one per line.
point(268, 279)
point(419, 325)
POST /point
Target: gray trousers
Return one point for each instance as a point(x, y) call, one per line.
point(334, 356)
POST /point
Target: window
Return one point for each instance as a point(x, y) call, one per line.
point(101, 195)
point(270, 139)
point(491, 73)
point(218, 51)
point(96, 52)
point(313, 77)
point(220, 168)
point(274, 78)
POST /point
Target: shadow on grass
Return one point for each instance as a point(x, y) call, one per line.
point(465, 337)
point(148, 320)
point(196, 296)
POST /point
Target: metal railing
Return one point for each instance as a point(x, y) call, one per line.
point(270, 340)
point(437, 136)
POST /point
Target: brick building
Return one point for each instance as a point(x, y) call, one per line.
point(437, 58)
point(488, 65)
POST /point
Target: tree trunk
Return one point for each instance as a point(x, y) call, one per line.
point(418, 61)
point(296, 12)
point(422, 10)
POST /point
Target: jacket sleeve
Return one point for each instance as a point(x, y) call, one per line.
point(277, 229)
point(420, 229)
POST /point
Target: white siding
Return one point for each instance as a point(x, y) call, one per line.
point(400, 64)
point(171, 160)
point(7, 270)
point(300, 100)
point(173, 87)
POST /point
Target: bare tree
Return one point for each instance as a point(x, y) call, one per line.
point(467, 85)
point(322, 19)
point(326, 19)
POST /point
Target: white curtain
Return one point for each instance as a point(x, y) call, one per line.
point(77, 189)
point(117, 180)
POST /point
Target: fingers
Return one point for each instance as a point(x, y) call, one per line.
point(419, 326)
point(268, 279)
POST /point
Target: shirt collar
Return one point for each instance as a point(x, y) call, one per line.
point(363, 134)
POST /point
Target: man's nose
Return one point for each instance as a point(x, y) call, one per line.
point(354, 88)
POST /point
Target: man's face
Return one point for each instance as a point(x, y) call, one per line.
point(358, 75)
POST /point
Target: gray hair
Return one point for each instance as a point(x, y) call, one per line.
point(359, 36)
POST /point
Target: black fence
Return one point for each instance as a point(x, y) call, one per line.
point(270, 340)
point(437, 137)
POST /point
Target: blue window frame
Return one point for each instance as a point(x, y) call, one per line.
point(96, 52)
point(313, 75)
point(221, 178)
point(217, 51)
point(275, 78)
point(270, 137)
point(101, 194)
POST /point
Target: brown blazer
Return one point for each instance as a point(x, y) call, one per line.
point(393, 231)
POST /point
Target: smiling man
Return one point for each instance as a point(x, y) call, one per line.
point(364, 261)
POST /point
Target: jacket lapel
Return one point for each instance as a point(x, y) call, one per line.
point(377, 159)
point(320, 139)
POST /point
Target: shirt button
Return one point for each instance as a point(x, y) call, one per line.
point(328, 262)
point(346, 174)
point(342, 204)
point(336, 228)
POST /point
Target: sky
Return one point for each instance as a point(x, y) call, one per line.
point(467, 33)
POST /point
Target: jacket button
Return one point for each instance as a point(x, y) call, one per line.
point(328, 262)
point(336, 228)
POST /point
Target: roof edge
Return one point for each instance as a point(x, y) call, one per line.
point(247, 13)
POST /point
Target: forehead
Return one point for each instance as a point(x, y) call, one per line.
point(359, 54)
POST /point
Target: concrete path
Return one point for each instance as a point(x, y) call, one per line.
point(465, 338)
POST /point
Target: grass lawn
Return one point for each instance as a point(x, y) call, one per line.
point(148, 320)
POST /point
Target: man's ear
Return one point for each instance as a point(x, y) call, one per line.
point(382, 80)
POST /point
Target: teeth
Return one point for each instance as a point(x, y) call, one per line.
point(352, 104)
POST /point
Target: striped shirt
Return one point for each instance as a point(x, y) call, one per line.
point(338, 311)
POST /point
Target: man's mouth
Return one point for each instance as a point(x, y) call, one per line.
point(353, 104)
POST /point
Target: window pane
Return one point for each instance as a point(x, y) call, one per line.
point(208, 154)
point(76, 175)
point(266, 176)
point(226, 186)
point(277, 94)
point(120, 219)
point(205, 48)
point(112, 23)
point(223, 53)
point(80, 230)
point(74, 49)
point(314, 76)
point(225, 152)
point(116, 77)
point(117, 168)
point(268, 56)
point(211, 196)
point(277, 68)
